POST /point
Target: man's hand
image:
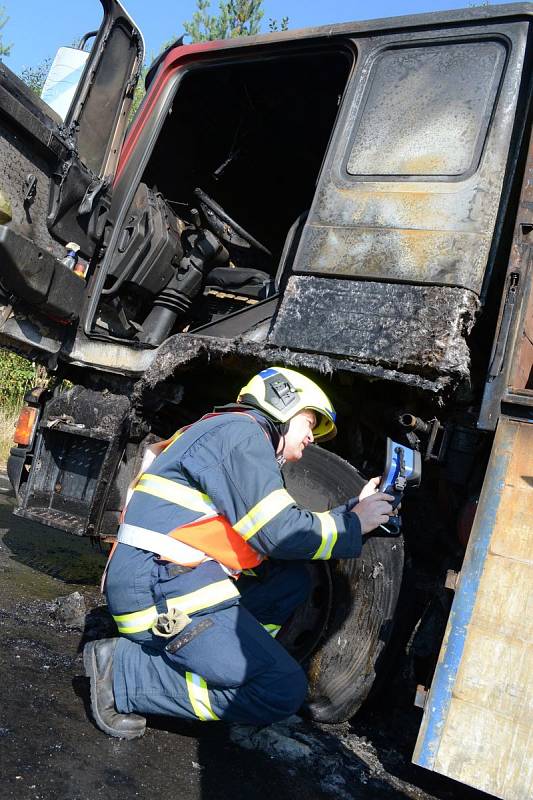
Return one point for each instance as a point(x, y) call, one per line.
point(373, 510)
point(369, 488)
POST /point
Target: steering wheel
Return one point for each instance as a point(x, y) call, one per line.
point(223, 226)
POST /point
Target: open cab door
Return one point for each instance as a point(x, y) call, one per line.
point(55, 188)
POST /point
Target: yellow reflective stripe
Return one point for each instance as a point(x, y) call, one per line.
point(210, 595)
point(199, 600)
point(174, 438)
point(262, 513)
point(137, 621)
point(329, 536)
point(184, 496)
point(273, 630)
point(199, 697)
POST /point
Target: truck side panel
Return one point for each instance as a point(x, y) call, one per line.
point(478, 718)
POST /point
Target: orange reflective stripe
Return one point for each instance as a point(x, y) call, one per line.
point(104, 574)
point(169, 442)
point(216, 538)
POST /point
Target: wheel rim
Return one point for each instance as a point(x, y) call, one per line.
point(353, 620)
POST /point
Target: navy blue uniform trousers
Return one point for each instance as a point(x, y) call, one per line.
point(234, 670)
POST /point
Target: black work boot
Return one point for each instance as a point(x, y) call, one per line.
point(98, 663)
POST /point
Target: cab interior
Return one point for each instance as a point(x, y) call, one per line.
point(238, 155)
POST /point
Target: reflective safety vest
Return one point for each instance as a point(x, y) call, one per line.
point(208, 538)
point(211, 536)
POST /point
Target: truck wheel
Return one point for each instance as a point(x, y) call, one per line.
point(343, 630)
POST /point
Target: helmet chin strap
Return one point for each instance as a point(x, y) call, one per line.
point(280, 458)
point(283, 428)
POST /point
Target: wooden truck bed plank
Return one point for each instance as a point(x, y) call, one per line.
point(478, 719)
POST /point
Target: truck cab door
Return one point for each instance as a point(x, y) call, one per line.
point(99, 111)
point(56, 186)
point(407, 217)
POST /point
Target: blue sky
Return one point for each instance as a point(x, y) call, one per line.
point(36, 28)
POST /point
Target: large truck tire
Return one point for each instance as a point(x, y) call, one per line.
point(342, 632)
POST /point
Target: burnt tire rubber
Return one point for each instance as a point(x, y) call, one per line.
point(364, 593)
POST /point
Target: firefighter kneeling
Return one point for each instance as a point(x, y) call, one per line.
point(210, 505)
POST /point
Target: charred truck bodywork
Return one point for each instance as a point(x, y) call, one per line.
point(354, 201)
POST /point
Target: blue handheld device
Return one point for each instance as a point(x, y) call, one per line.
point(403, 468)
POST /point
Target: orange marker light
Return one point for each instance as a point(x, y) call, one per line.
point(25, 425)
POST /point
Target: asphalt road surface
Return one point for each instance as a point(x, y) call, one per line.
point(49, 747)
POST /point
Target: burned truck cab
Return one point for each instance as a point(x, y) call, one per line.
point(353, 201)
point(298, 183)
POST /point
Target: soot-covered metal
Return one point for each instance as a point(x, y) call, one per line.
point(83, 436)
point(413, 329)
point(185, 352)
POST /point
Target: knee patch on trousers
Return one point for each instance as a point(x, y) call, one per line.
point(231, 652)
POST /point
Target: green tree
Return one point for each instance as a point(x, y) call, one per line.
point(17, 376)
point(273, 24)
point(234, 18)
point(35, 77)
point(5, 49)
